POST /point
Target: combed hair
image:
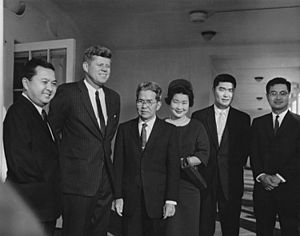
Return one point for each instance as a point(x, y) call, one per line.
point(149, 85)
point(278, 80)
point(30, 67)
point(96, 51)
point(224, 78)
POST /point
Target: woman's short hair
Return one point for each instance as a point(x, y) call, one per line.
point(180, 86)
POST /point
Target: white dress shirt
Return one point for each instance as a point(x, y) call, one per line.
point(92, 91)
point(280, 119)
point(221, 118)
point(149, 128)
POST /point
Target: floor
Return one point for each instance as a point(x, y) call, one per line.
point(247, 223)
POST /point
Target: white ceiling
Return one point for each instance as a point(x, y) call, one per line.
point(165, 23)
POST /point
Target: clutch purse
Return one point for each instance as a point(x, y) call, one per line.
point(193, 174)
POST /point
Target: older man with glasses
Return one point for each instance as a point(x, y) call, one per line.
point(146, 167)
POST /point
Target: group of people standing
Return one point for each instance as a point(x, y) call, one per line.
point(61, 162)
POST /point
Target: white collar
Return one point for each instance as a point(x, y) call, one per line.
point(281, 115)
point(218, 111)
point(90, 88)
point(150, 122)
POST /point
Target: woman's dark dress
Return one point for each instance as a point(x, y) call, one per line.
point(193, 142)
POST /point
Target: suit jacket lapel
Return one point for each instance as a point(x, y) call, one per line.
point(38, 117)
point(285, 122)
point(87, 103)
point(211, 121)
point(270, 129)
point(135, 133)
point(109, 106)
point(154, 133)
point(229, 120)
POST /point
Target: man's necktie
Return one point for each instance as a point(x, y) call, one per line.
point(221, 125)
point(101, 117)
point(276, 125)
point(144, 135)
point(45, 119)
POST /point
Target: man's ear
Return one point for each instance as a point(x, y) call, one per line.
point(25, 82)
point(158, 105)
point(85, 66)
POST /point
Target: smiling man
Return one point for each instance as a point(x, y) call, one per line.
point(228, 132)
point(275, 161)
point(86, 114)
point(30, 144)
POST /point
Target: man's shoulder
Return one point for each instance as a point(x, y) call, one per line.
point(112, 94)
point(261, 119)
point(68, 88)
point(295, 116)
point(239, 112)
point(202, 111)
point(128, 123)
point(22, 106)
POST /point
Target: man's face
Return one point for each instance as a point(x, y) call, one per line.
point(42, 86)
point(278, 98)
point(179, 105)
point(147, 105)
point(97, 70)
point(223, 93)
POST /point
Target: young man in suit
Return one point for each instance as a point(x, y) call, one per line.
point(30, 144)
point(86, 114)
point(275, 161)
point(228, 130)
point(146, 167)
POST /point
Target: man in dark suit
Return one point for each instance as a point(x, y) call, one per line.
point(146, 167)
point(275, 161)
point(228, 130)
point(30, 144)
point(86, 113)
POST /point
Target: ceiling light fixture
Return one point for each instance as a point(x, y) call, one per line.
point(198, 16)
point(208, 35)
point(258, 78)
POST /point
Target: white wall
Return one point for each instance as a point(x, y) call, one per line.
point(130, 67)
point(41, 21)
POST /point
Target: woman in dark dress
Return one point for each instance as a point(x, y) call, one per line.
point(194, 146)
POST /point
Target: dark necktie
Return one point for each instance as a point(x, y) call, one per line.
point(100, 113)
point(144, 135)
point(45, 119)
point(276, 125)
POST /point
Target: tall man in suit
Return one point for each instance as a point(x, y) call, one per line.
point(30, 144)
point(86, 113)
point(275, 161)
point(146, 167)
point(228, 130)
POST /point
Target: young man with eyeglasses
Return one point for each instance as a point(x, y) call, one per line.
point(275, 161)
point(146, 167)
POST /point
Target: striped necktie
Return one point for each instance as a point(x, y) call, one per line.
point(144, 135)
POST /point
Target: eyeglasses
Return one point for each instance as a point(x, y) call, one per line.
point(148, 103)
point(281, 93)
